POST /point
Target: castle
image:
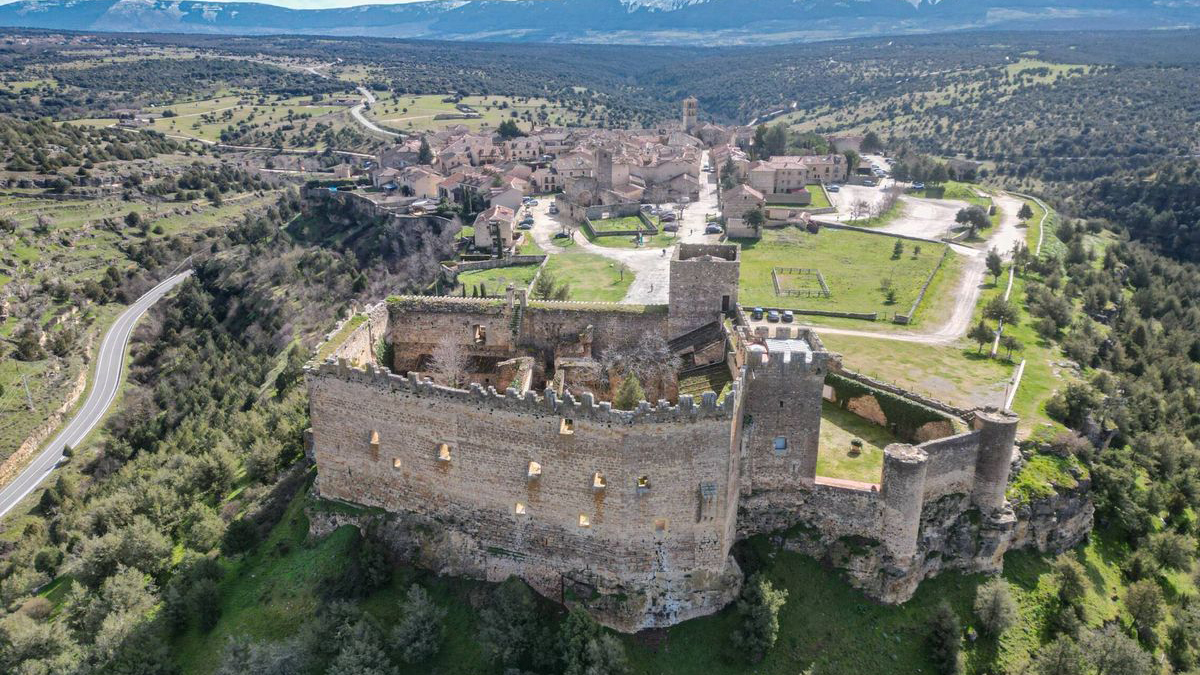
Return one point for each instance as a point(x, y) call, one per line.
point(518, 462)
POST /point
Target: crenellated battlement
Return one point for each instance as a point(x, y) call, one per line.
point(709, 406)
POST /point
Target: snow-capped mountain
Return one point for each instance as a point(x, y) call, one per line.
point(629, 21)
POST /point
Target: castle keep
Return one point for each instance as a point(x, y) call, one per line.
point(515, 460)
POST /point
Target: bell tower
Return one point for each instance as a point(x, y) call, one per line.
point(691, 113)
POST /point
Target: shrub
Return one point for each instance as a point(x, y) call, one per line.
point(944, 642)
point(995, 607)
point(758, 607)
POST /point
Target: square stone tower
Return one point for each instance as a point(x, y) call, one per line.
point(704, 285)
point(691, 113)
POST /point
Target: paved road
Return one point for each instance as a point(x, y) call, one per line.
point(357, 113)
point(110, 361)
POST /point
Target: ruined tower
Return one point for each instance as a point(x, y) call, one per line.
point(691, 113)
point(704, 285)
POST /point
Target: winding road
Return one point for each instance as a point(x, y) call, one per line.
point(110, 363)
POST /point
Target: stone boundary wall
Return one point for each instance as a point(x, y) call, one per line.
point(904, 319)
point(924, 401)
point(510, 261)
point(650, 228)
point(359, 345)
point(951, 465)
point(867, 230)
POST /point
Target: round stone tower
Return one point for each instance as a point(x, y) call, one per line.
point(902, 492)
point(997, 434)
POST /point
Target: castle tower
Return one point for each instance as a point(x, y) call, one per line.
point(997, 434)
point(704, 285)
point(902, 492)
point(691, 113)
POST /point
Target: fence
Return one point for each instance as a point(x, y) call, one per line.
point(804, 292)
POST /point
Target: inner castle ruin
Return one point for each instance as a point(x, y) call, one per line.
point(518, 462)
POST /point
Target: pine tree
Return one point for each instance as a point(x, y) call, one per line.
point(758, 607)
point(630, 393)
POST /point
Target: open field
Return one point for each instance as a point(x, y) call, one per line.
point(494, 281)
point(854, 265)
point(405, 112)
point(951, 373)
point(835, 458)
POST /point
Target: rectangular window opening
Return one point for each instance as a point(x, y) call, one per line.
point(660, 524)
point(535, 469)
point(584, 521)
point(444, 452)
point(566, 427)
point(781, 445)
point(598, 481)
point(397, 463)
point(519, 509)
point(643, 483)
point(480, 332)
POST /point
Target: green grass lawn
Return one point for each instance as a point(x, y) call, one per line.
point(660, 240)
point(622, 224)
point(854, 265)
point(835, 459)
point(593, 278)
point(820, 200)
point(951, 373)
point(496, 280)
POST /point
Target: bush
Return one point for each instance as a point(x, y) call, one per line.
point(240, 536)
point(995, 607)
point(585, 649)
point(205, 603)
point(758, 608)
point(944, 642)
point(1144, 602)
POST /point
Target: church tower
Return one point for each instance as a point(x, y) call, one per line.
point(691, 113)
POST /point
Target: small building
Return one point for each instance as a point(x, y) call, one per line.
point(494, 227)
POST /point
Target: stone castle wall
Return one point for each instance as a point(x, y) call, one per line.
point(665, 513)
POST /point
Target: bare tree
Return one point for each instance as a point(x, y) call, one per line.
point(449, 366)
point(859, 209)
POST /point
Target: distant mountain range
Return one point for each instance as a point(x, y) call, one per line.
point(692, 22)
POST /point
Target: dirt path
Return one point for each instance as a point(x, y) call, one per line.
point(970, 284)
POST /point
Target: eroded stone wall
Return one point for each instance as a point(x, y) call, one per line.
point(515, 482)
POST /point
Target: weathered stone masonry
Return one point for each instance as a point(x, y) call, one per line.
point(632, 514)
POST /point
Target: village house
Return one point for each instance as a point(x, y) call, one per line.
point(494, 228)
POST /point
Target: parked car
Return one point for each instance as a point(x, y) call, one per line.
point(562, 235)
point(788, 316)
point(918, 186)
point(834, 188)
point(667, 218)
point(670, 227)
point(773, 316)
point(756, 313)
point(712, 229)
point(868, 183)
point(553, 209)
point(525, 226)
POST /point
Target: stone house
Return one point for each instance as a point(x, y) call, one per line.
point(494, 227)
point(419, 181)
point(525, 148)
